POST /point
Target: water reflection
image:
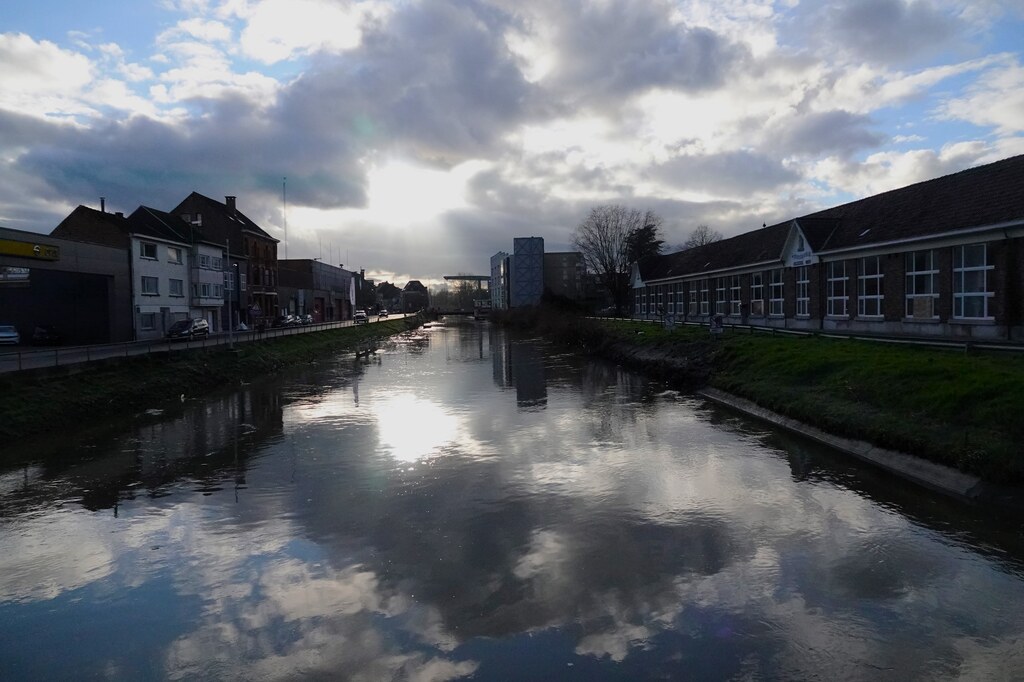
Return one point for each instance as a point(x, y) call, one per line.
point(400, 518)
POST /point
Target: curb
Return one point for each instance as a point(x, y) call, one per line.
point(926, 473)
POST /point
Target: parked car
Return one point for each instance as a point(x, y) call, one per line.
point(9, 334)
point(360, 317)
point(46, 335)
point(307, 319)
point(383, 312)
point(284, 321)
point(188, 329)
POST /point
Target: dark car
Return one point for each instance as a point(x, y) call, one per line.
point(189, 329)
point(46, 335)
point(284, 321)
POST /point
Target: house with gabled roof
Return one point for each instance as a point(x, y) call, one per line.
point(940, 258)
point(249, 246)
point(158, 254)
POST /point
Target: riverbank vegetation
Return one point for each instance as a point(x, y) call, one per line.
point(959, 409)
point(41, 401)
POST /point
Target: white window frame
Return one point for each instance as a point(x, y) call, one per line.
point(145, 247)
point(693, 298)
point(803, 291)
point(241, 281)
point(961, 273)
point(721, 286)
point(174, 255)
point(776, 293)
point(204, 261)
point(757, 294)
point(155, 281)
point(180, 288)
point(735, 300)
point(705, 302)
point(921, 283)
point(836, 282)
point(870, 278)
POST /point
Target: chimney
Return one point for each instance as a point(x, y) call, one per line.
point(103, 204)
point(119, 214)
point(230, 201)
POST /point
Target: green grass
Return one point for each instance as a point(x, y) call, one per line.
point(38, 402)
point(963, 410)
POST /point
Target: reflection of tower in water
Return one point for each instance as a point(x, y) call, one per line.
point(519, 364)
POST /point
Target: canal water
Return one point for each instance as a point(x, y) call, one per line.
point(465, 505)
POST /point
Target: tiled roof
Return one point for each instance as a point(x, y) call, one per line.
point(219, 223)
point(987, 195)
point(156, 223)
point(86, 224)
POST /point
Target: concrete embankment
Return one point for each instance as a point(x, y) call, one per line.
point(694, 369)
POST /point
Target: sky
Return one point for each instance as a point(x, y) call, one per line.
point(416, 138)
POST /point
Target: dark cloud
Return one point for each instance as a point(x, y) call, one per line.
point(620, 48)
point(738, 173)
point(825, 132)
point(885, 31)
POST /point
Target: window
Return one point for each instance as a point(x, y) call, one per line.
point(241, 281)
point(693, 298)
point(836, 289)
point(636, 302)
point(147, 321)
point(704, 302)
point(176, 287)
point(229, 281)
point(174, 255)
point(721, 285)
point(869, 288)
point(757, 294)
point(970, 282)
point(922, 287)
point(643, 301)
point(803, 287)
point(150, 286)
point(775, 293)
point(734, 295)
point(661, 300)
point(204, 261)
point(148, 250)
point(216, 263)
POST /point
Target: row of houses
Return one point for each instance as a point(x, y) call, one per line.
point(941, 258)
point(103, 276)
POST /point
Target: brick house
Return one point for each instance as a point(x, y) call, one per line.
point(941, 258)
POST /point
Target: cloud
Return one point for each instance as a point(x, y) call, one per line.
point(824, 132)
point(730, 174)
point(995, 100)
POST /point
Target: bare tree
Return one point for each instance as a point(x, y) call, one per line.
point(604, 238)
point(701, 236)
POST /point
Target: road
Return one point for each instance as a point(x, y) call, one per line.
point(26, 358)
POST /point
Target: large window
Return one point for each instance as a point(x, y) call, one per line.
point(971, 282)
point(803, 288)
point(150, 286)
point(775, 293)
point(176, 287)
point(704, 302)
point(869, 288)
point(835, 283)
point(721, 300)
point(174, 255)
point(148, 250)
point(757, 294)
point(922, 285)
point(734, 295)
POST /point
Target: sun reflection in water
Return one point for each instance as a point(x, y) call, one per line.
point(412, 428)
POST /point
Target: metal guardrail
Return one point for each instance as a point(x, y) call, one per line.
point(63, 356)
point(950, 344)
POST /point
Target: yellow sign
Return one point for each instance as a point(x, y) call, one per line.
point(29, 250)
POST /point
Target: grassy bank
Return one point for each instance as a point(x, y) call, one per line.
point(36, 402)
point(959, 409)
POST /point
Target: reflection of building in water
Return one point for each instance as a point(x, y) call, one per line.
point(519, 364)
point(211, 441)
